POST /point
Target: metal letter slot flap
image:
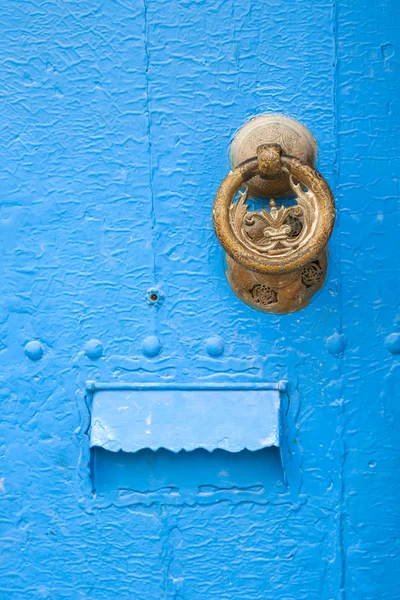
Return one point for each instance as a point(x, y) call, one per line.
point(131, 418)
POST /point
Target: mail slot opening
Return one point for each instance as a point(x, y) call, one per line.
point(198, 476)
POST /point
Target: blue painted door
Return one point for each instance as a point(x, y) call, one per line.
point(116, 117)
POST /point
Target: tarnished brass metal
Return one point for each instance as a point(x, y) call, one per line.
point(269, 161)
point(290, 135)
point(276, 258)
point(279, 294)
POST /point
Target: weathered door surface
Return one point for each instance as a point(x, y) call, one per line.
point(116, 119)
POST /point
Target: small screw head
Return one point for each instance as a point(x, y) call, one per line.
point(154, 297)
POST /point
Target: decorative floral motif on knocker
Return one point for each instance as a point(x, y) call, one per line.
point(277, 232)
point(264, 295)
point(311, 274)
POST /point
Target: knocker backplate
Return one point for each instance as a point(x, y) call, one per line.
point(294, 139)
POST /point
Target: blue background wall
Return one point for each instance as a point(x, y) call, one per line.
point(115, 123)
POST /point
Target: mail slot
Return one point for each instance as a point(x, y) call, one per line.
point(134, 417)
point(182, 444)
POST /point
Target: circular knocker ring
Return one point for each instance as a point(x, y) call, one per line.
point(277, 258)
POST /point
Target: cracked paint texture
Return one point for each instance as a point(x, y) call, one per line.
point(115, 121)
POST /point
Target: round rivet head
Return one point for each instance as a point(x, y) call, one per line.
point(215, 346)
point(336, 344)
point(392, 343)
point(34, 350)
point(151, 346)
point(94, 349)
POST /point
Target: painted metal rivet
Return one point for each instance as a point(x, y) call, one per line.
point(392, 343)
point(336, 344)
point(151, 346)
point(215, 346)
point(34, 350)
point(94, 349)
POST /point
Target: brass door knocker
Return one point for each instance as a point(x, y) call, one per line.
point(276, 258)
